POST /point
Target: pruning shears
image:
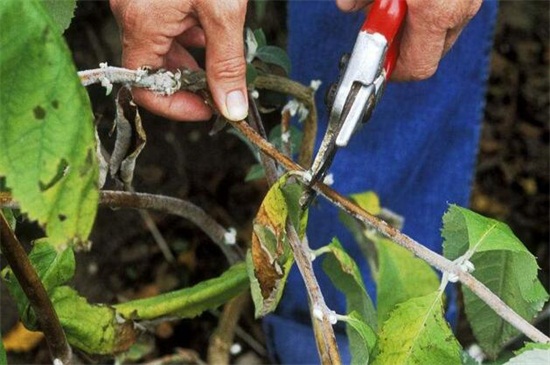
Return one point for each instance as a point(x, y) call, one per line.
point(362, 80)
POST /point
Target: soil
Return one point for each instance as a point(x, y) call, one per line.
point(182, 160)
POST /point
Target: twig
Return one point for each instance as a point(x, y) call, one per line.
point(35, 292)
point(269, 165)
point(180, 357)
point(167, 83)
point(182, 208)
point(439, 262)
point(304, 94)
point(320, 314)
point(157, 236)
point(286, 139)
point(222, 339)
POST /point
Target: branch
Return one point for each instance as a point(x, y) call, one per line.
point(320, 314)
point(182, 208)
point(222, 339)
point(35, 292)
point(305, 95)
point(167, 82)
point(435, 260)
point(322, 317)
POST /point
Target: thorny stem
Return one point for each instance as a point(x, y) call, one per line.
point(36, 293)
point(182, 208)
point(439, 262)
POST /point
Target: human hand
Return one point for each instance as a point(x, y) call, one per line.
point(431, 28)
point(156, 34)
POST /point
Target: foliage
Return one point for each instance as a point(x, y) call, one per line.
point(417, 333)
point(502, 263)
point(46, 132)
point(50, 167)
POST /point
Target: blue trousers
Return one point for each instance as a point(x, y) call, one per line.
point(417, 152)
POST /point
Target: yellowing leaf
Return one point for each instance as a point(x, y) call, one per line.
point(20, 339)
point(416, 333)
point(368, 200)
point(270, 257)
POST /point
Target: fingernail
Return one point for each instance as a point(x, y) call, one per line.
point(235, 103)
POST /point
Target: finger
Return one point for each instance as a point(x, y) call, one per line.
point(421, 49)
point(454, 33)
point(429, 32)
point(352, 5)
point(193, 37)
point(181, 106)
point(148, 30)
point(223, 24)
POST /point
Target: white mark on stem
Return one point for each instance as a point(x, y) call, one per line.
point(318, 313)
point(329, 179)
point(230, 236)
point(314, 84)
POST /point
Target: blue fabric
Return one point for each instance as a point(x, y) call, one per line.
point(417, 152)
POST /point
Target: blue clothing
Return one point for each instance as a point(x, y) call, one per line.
point(417, 152)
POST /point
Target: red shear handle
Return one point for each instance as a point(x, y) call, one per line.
point(385, 17)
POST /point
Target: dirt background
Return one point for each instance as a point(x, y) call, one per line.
point(512, 179)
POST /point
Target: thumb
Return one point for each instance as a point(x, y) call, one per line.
point(223, 24)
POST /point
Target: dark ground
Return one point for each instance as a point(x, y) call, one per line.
point(512, 180)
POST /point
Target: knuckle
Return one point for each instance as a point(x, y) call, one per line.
point(422, 72)
point(230, 69)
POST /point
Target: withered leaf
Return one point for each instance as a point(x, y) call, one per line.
point(270, 257)
point(130, 139)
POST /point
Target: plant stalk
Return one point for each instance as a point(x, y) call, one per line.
point(182, 208)
point(221, 340)
point(36, 293)
point(437, 261)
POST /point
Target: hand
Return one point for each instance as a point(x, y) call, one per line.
point(431, 28)
point(156, 34)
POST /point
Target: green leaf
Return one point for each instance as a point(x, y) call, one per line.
point(10, 217)
point(46, 125)
point(295, 137)
point(251, 73)
point(3, 356)
point(503, 264)
point(189, 302)
point(346, 277)
point(256, 172)
point(95, 329)
point(417, 333)
point(275, 56)
point(61, 11)
point(531, 346)
point(54, 268)
point(361, 338)
point(535, 356)
point(371, 203)
point(400, 277)
point(259, 33)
